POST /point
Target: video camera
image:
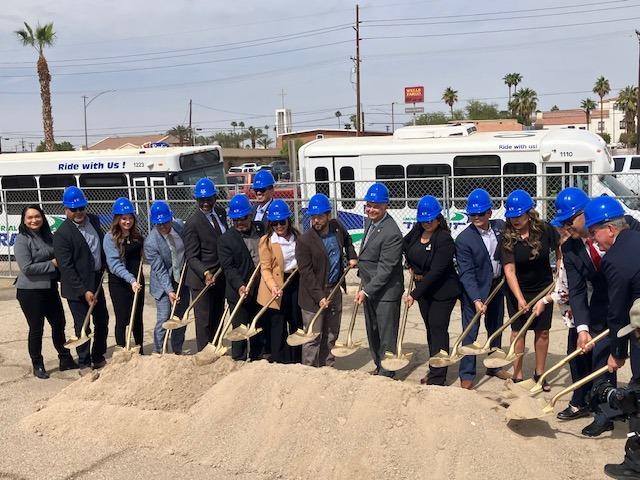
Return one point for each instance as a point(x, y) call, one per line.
point(616, 403)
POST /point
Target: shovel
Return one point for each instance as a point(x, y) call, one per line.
point(173, 309)
point(346, 349)
point(177, 322)
point(216, 349)
point(242, 332)
point(534, 387)
point(397, 361)
point(444, 359)
point(123, 354)
point(498, 358)
point(476, 348)
point(300, 336)
point(528, 408)
point(74, 341)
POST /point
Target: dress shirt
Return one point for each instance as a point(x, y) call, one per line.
point(491, 244)
point(261, 211)
point(176, 246)
point(93, 241)
point(288, 251)
point(585, 328)
point(215, 220)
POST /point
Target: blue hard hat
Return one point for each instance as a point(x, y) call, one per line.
point(263, 179)
point(160, 212)
point(602, 209)
point(478, 201)
point(123, 206)
point(569, 202)
point(239, 206)
point(319, 204)
point(73, 197)
point(555, 223)
point(518, 203)
point(377, 193)
point(428, 208)
point(204, 188)
point(278, 210)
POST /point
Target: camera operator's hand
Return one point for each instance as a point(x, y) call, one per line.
point(614, 363)
point(583, 338)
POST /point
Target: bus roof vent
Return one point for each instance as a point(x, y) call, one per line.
point(435, 131)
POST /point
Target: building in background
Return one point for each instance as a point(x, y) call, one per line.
point(137, 141)
point(283, 121)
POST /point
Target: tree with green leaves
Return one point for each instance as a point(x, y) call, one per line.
point(477, 110)
point(524, 103)
point(627, 102)
point(450, 97)
point(430, 118)
point(601, 88)
point(265, 142)
point(254, 134)
point(42, 37)
point(338, 114)
point(284, 151)
point(59, 147)
point(182, 133)
point(588, 106)
point(234, 124)
point(228, 139)
point(512, 80)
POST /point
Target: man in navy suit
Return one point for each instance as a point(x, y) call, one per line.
point(480, 270)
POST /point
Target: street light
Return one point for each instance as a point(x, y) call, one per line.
point(86, 104)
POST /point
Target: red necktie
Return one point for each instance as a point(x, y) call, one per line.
point(593, 253)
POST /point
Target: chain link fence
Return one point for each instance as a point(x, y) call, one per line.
point(347, 198)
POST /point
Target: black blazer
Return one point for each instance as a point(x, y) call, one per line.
point(74, 258)
point(236, 262)
point(201, 246)
point(621, 269)
point(440, 280)
point(580, 272)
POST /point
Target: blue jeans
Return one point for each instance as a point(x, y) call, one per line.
point(163, 306)
point(492, 321)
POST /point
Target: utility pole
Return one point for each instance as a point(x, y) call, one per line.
point(22, 145)
point(393, 118)
point(191, 131)
point(357, 60)
point(638, 101)
point(282, 95)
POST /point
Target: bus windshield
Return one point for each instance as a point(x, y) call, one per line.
point(624, 194)
point(201, 164)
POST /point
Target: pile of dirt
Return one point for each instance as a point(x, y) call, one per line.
point(291, 421)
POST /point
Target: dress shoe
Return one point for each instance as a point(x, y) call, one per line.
point(40, 372)
point(621, 471)
point(597, 427)
point(571, 413)
point(500, 374)
point(466, 384)
point(375, 371)
point(67, 363)
point(99, 364)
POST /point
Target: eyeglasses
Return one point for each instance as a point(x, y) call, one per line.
point(479, 214)
point(569, 221)
point(77, 209)
point(282, 223)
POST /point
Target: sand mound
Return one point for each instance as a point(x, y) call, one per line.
point(277, 421)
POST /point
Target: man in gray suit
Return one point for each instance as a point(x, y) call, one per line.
point(380, 269)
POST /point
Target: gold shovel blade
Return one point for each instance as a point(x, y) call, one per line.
point(75, 342)
point(528, 408)
point(237, 334)
point(207, 355)
point(439, 360)
point(172, 324)
point(300, 337)
point(496, 360)
point(344, 350)
point(472, 349)
point(394, 363)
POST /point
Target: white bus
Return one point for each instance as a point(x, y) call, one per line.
point(448, 161)
point(140, 174)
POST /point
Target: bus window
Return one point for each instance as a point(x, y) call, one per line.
point(321, 174)
point(201, 164)
point(90, 181)
point(618, 164)
point(52, 187)
point(485, 170)
point(396, 188)
point(420, 188)
point(200, 160)
point(347, 187)
point(24, 191)
point(635, 163)
point(511, 183)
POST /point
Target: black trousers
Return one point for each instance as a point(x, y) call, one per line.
point(284, 322)
point(208, 312)
point(92, 351)
point(37, 305)
point(436, 315)
point(240, 350)
point(122, 301)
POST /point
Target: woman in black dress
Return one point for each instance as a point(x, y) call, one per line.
point(429, 250)
point(526, 246)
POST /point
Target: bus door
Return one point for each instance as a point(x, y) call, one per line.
point(159, 188)
point(142, 200)
point(580, 177)
point(349, 211)
point(320, 177)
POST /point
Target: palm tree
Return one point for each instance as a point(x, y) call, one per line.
point(338, 114)
point(265, 142)
point(234, 124)
point(42, 37)
point(241, 124)
point(254, 134)
point(627, 102)
point(524, 103)
point(450, 96)
point(181, 133)
point(266, 130)
point(601, 88)
point(512, 80)
point(588, 106)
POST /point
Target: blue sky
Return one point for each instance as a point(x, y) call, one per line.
point(234, 58)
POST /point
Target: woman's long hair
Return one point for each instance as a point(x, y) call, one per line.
point(442, 224)
point(45, 229)
point(536, 227)
point(118, 234)
point(290, 228)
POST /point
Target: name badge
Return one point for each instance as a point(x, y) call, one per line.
point(428, 248)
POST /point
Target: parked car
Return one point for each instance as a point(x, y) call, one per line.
point(235, 170)
point(627, 168)
point(280, 169)
point(249, 167)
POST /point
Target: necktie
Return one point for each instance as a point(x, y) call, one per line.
point(216, 225)
point(175, 264)
point(366, 236)
point(595, 256)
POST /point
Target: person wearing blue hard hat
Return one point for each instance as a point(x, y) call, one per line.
point(239, 258)
point(526, 248)
point(165, 251)
point(201, 233)
point(429, 250)
point(480, 269)
point(123, 251)
point(380, 270)
point(322, 253)
point(277, 250)
point(263, 186)
point(81, 262)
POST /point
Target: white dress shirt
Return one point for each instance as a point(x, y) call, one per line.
point(491, 244)
point(288, 251)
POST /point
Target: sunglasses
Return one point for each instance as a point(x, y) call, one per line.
point(569, 221)
point(241, 219)
point(479, 214)
point(261, 190)
point(282, 223)
point(77, 209)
